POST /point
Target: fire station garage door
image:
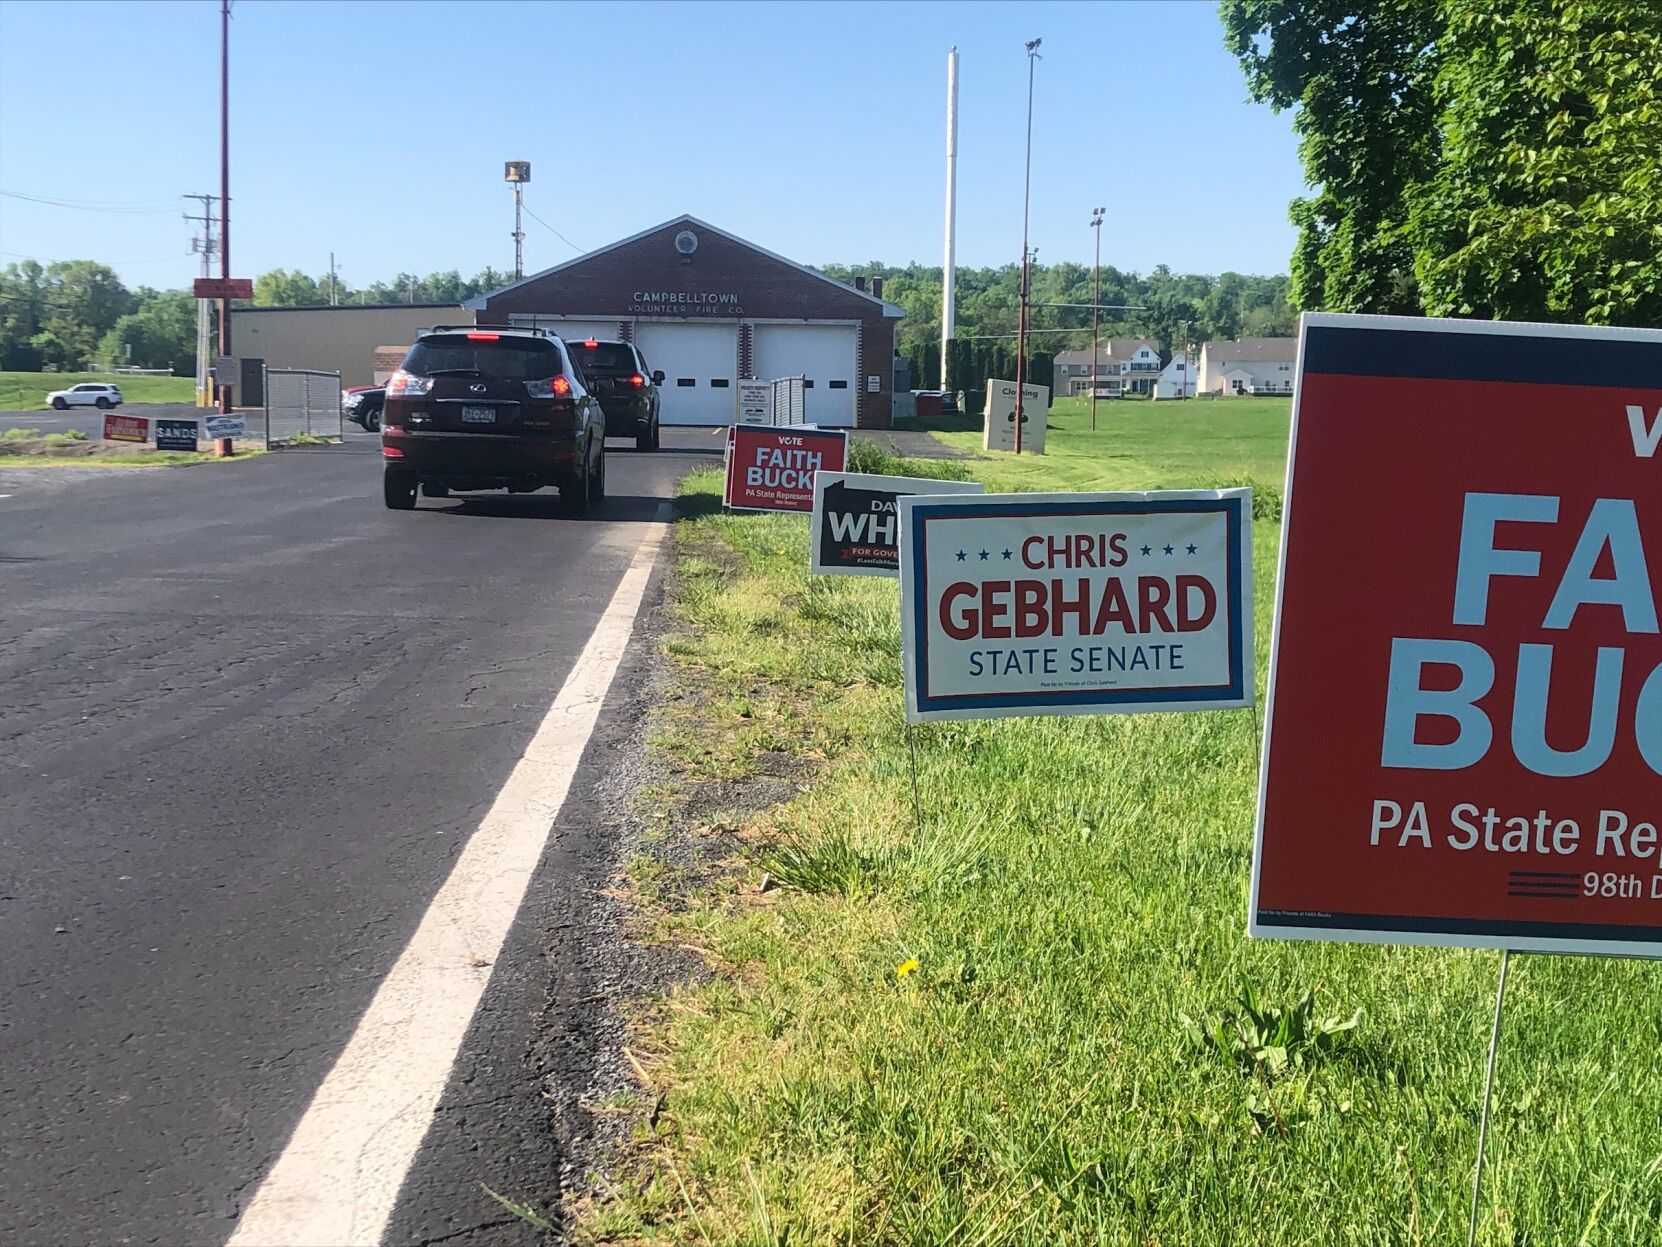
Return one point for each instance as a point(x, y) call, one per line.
point(825, 355)
point(700, 364)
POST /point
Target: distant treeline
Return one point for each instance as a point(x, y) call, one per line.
point(1169, 308)
point(77, 313)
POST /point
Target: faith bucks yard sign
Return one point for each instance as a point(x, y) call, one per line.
point(1464, 740)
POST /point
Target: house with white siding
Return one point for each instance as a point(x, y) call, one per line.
point(1248, 366)
point(1122, 366)
point(1177, 379)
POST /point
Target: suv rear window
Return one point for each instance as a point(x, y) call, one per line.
point(506, 359)
point(605, 358)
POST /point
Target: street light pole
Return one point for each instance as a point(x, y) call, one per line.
point(1096, 304)
point(1026, 255)
point(222, 445)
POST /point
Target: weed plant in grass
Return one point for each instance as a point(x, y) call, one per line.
point(1036, 1019)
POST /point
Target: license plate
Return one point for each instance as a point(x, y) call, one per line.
point(478, 415)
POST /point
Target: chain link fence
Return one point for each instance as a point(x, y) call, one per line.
point(301, 405)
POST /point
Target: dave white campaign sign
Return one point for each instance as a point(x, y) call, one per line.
point(1465, 703)
point(772, 469)
point(1053, 604)
point(856, 525)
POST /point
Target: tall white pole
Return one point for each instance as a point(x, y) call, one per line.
point(949, 273)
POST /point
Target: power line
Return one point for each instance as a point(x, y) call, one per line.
point(171, 259)
point(553, 231)
point(92, 206)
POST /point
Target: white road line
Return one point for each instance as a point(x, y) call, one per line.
point(338, 1178)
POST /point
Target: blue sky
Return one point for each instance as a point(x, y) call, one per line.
point(378, 131)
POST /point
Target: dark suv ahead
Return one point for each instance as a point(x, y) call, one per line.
point(479, 407)
point(628, 393)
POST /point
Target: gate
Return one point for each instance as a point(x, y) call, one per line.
point(789, 400)
point(301, 403)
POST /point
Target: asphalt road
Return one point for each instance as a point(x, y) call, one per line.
point(250, 717)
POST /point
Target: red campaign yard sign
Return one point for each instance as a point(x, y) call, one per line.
point(772, 469)
point(126, 428)
point(1465, 704)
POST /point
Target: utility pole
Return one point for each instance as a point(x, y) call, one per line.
point(412, 288)
point(1026, 255)
point(333, 300)
point(1096, 300)
point(222, 445)
point(204, 246)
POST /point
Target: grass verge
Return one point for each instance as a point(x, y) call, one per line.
point(57, 450)
point(23, 391)
point(1036, 1019)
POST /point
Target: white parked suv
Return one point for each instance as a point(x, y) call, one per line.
point(92, 394)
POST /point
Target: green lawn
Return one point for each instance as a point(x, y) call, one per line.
point(979, 1032)
point(21, 391)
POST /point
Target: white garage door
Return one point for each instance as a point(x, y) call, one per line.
point(700, 364)
point(825, 355)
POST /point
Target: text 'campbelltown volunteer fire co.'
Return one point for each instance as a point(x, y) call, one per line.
point(772, 469)
point(1464, 739)
point(1057, 604)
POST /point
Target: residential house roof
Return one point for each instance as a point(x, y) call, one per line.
point(1252, 351)
point(1110, 349)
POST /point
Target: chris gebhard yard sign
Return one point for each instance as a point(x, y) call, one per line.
point(1056, 604)
point(1465, 701)
point(856, 525)
point(772, 469)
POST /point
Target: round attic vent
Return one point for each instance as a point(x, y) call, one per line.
point(686, 242)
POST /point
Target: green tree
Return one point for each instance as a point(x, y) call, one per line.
point(22, 312)
point(1360, 75)
point(1547, 204)
point(289, 288)
point(162, 334)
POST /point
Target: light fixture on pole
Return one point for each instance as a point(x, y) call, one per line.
point(517, 173)
point(1026, 256)
point(1096, 303)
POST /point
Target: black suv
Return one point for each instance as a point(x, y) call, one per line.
point(628, 393)
point(482, 407)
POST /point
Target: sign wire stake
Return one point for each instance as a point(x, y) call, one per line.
point(917, 804)
point(1488, 1096)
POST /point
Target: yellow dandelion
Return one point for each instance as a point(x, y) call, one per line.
point(906, 967)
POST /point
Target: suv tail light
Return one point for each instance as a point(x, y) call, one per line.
point(407, 385)
point(637, 381)
point(551, 387)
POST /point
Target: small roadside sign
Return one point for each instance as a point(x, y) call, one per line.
point(772, 469)
point(223, 287)
point(1463, 744)
point(175, 435)
point(1000, 428)
point(856, 525)
point(126, 428)
point(755, 402)
point(217, 427)
point(1064, 604)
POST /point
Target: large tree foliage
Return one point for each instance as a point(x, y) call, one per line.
point(56, 314)
point(1547, 203)
point(1360, 75)
point(1498, 158)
